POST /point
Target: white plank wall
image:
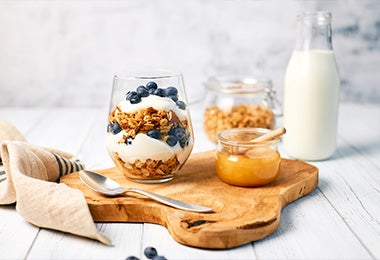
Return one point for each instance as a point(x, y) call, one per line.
point(65, 53)
point(339, 220)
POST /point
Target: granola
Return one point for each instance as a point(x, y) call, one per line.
point(144, 120)
point(151, 140)
point(149, 169)
point(216, 119)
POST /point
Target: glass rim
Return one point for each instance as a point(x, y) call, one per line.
point(147, 74)
point(321, 17)
point(238, 84)
point(221, 137)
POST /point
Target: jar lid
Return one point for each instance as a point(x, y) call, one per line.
point(238, 84)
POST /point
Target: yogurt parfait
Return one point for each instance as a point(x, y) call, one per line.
point(149, 133)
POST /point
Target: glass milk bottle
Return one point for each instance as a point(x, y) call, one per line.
point(311, 91)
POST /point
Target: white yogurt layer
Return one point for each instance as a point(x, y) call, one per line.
point(158, 103)
point(144, 147)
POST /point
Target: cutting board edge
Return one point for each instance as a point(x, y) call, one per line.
point(305, 188)
point(223, 239)
point(206, 238)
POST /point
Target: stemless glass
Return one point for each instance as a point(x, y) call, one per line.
point(149, 133)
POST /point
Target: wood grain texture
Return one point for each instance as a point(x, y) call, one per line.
point(340, 215)
point(241, 215)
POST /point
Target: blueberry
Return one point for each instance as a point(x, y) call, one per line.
point(184, 142)
point(179, 132)
point(135, 99)
point(159, 92)
point(154, 134)
point(174, 98)
point(130, 94)
point(151, 91)
point(132, 258)
point(159, 257)
point(142, 91)
point(171, 91)
point(181, 104)
point(172, 140)
point(114, 128)
point(129, 141)
point(151, 85)
point(150, 252)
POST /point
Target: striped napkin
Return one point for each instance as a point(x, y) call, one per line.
point(29, 176)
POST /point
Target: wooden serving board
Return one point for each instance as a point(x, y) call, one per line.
point(241, 215)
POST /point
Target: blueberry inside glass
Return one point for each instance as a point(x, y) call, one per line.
point(149, 132)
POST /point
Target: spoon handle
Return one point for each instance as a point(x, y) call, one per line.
point(171, 202)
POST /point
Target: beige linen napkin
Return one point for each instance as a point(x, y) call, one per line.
point(29, 176)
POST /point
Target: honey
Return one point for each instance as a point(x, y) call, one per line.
point(242, 163)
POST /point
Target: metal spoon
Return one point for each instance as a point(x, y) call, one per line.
point(109, 187)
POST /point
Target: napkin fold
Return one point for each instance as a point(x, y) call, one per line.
point(29, 176)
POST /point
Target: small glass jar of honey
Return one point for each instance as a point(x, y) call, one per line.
point(241, 162)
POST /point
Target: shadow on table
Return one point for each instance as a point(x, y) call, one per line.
point(366, 149)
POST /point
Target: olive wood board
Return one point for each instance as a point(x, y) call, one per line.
point(241, 215)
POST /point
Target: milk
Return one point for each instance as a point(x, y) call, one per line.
point(311, 98)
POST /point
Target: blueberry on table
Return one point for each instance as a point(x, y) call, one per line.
point(142, 91)
point(114, 128)
point(172, 140)
point(181, 104)
point(159, 92)
point(132, 258)
point(150, 252)
point(151, 85)
point(171, 91)
point(130, 94)
point(154, 133)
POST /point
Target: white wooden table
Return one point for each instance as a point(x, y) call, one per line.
point(340, 219)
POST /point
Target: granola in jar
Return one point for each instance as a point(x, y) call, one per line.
point(239, 103)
